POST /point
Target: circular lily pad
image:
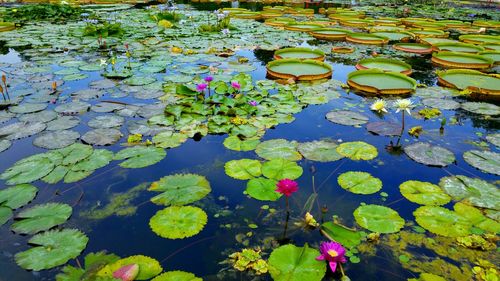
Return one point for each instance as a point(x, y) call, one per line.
point(424, 193)
point(262, 189)
point(178, 222)
point(427, 154)
point(180, 189)
point(384, 128)
point(359, 182)
point(486, 161)
point(346, 117)
point(102, 136)
point(479, 39)
point(442, 221)
point(461, 60)
point(299, 69)
point(299, 53)
point(63, 123)
point(75, 107)
point(378, 218)
point(377, 81)
point(139, 80)
point(415, 48)
point(235, 143)
point(4, 145)
point(481, 108)
point(385, 65)
point(21, 130)
point(321, 151)
point(56, 139)
point(445, 104)
point(279, 169)
point(278, 148)
point(52, 248)
point(176, 276)
point(106, 121)
point(17, 196)
point(29, 169)
point(140, 156)
point(28, 108)
point(169, 139)
point(366, 38)
point(42, 116)
point(357, 150)
point(458, 47)
point(292, 263)
point(492, 138)
point(473, 80)
point(243, 169)
point(330, 33)
point(41, 217)
point(148, 267)
point(475, 191)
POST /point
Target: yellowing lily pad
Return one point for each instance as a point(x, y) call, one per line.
point(424, 193)
point(378, 218)
point(359, 182)
point(357, 150)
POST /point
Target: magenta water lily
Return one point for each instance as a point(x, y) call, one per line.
point(201, 87)
point(333, 253)
point(208, 79)
point(287, 187)
point(236, 85)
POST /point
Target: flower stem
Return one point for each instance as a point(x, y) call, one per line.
point(402, 127)
point(341, 269)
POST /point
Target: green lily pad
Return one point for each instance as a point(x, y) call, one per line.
point(169, 139)
point(180, 189)
point(320, 151)
point(357, 150)
point(486, 161)
point(17, 196)
point(177, 276)
point(52, 248)
point(177, 222)
point(102, 136)
point(279, 169)
point(148, 267)
point(292, 263)
point(278, 148)
point(476, 192)
point(481, 108)
point(139, 80)
point(378, 218)
point(5, 215)
point(359, 182)
point(41, 217)
point(442, 221)
point(235, 143)
point(346, 117)
point(262, 189)
point(347, 237)
point(56, 139)
point(140, 156)
point(492, 138)
point(427, 154)
point(424, 193)
point(28, 169)
point(243, 169)
point(4, 145)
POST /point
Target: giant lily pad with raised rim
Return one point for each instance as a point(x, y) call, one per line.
point(359, 182)
point(394, 35)
point(330, 33)
point(423, 33)
point(177, 222)
point(431, 155)
point(376, 81)
point(302, 70)
point(473, 80)
point(458, 47)
point(299, 53)
point(486, 161)
point(180, 189)
point(415, 48)
point(479, 39)
point(461, 60)
point(424, 193)
point(494, 55)
point(366, 38)
point(52, 248)
point(292, 263)
point(378, 218)
point(302, 26)
point(385, 64)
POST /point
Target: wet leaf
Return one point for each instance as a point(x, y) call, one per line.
point(262, 189)
point(278, 148)
point(235, 143)
point(279, 169)
point(41, 217)
point(177, 276)
point(346, 117)
point(17, 196)
point(486, 161)
point(476, 191)
point(148, 267)
point(321, 151)
point(243, 169)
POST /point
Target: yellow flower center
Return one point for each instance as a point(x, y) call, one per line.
point(332, 253)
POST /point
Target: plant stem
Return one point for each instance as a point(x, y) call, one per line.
point(402, 127)
point(341, 269)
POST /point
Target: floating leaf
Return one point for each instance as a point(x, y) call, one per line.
point(243, 169)
point(5, 215)
point(29, 169)
point(21, 130)
point(378, 218)
point(235, 143)
point(476, 191)
point(428, 154)
point(486, 161)
point(357, 150)
point(321, 151)
point(493, 138)
point(4, 145)
point(263, 189)
point(169, 139)
point(441, 103)
point(346, 117)
point(278, 148)
point(41, 217)
point(180, 189)
point(279, 169)
point(106, 121)
point(148, 267)
point(177, 276)
point(177, 222)
point(17, 196)
point(140, 156)
point(52, 248)
point(442, 221)
point(292, 263)
point(481, 108)
point(424, 193)
point(359, 182)
point(56, 139)
point(347, 237)
point(102, 136)
point(384, 128)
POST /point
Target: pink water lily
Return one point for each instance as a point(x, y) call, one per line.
point(127, 273)
point(201, 87)
point(253, 103)
point(333, 253)
point(235, 85)
point(287, 187)
point(208, 79)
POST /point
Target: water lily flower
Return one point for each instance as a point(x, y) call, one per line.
point(287, 187)
point(103, 62)
point(403, 105)
point(127, 273)
point(333, 253)
point(253, 103)
point(235, 85)
point(379, 106)
point(225, 31)
point(201, 87)
point(208, 79)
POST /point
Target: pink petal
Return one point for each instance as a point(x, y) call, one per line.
point(127, 273)
point(333, 266)
point(320, 258)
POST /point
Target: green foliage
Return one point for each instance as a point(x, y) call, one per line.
point(41, 217)
point(177, 222)
point(104, 30)
point(42, 12)
point(167, 15)
point(180, 189)
point(249, 259)
point(378, 218)
point(176, 275)
point(359, 182)
point(292, 263)
point(424, 193)
point(217, 27)
point(148, 267)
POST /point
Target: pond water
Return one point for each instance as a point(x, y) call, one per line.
point(111, 204)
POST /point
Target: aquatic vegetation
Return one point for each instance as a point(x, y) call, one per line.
point(148, 267)
point(103, 30)
point(378, 218)
point(290, 262)
point(357, 150)
point(180, 189)
point(249, 259)
point(424, 193)
point(287, 187)
point(359, 182)
point(13, 198)
point(379, 106)
point(41, 217)
point(43, 12)
point(127, 272)
point(178, 222)
point(333, 253)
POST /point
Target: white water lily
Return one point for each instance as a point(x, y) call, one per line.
point(379, 106)
point(103, 63)
point(403, 104)
point(225, 31)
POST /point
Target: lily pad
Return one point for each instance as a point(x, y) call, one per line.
point(357, 150)
point(292, 263)
point(346, 117)
point(28, 108)
point(4, 145)
point(75, 107)
point(384, 128)
point(21, 130)
point(441, 103)
point(278, 148)
point(378, 218)
point(106, 121)
point(5, 215)
point(169, 139)
point(476, 192)
point(481, 108)
point(243, 169)
point(424, 193)
point(177, 222)
point(102, 136)
point(359, 182)
point(56, 139)
point(235, 143)
point(148, 267)
point(347, 237)
point(177, 276)
point(180, 189)
point(29, 169)
point(442, 221)
point(486, 161)
point(17, 196)
point(320, 151)
point(41, 217)
point(63, 123)
point(279, 169)
point(52, 248)
point(492, 138)
point(262, 189)
point(427, 154)
point(140, 156)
